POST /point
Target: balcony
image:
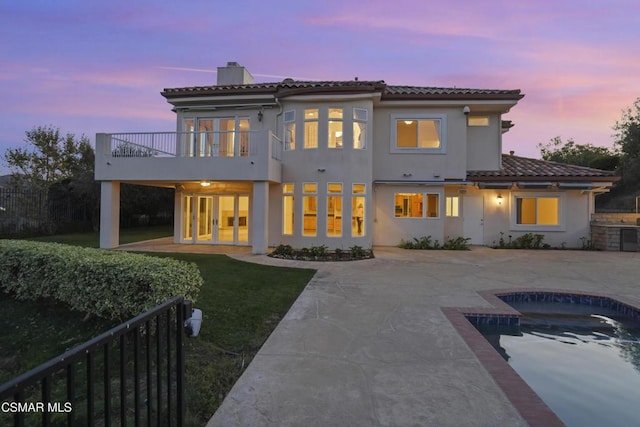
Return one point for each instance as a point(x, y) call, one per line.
point(189, 156)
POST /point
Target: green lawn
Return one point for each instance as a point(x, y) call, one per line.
point(241, 303)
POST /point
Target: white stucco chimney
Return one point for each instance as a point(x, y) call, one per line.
point(234, 74)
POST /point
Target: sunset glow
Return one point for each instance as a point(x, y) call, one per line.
point(90, 67)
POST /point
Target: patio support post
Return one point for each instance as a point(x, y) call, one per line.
point(260, 217)
point(109, 214)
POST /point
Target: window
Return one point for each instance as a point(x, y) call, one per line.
point(311, 128)
point(452, 206)
point(287, 209)
point(216, 137)
point(537, 211)
point(359, 128)
point(408, 205)
point(433, 205)
point(413, 133)
point(290, 130)
point(412, 205)
point(478, 121)
point(358, 204)
point(334, 209)
point(309, 208)
point(335, 128)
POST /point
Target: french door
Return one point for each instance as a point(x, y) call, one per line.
point(215, 218)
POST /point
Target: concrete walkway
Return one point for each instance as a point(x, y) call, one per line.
point(366, 343)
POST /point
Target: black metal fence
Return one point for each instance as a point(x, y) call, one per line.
point(132, 375)
point(34, 212)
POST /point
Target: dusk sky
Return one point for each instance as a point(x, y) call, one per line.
point(88, 67)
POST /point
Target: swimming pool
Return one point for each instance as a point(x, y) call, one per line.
point(582, 360)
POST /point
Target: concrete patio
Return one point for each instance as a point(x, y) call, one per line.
point(366, 343)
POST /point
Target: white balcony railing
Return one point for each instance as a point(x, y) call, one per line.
point(194, 144)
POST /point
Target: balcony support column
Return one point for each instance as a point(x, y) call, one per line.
point(260, 217)
point(109, 214)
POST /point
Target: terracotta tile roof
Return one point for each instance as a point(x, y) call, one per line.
point(515, 168)
point(292, 87)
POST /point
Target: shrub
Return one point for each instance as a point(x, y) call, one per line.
point(285, 250)
point(107, 284)
point(455, 244)
point(526, 241)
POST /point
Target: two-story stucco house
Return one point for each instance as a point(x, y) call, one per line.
point(343, 163)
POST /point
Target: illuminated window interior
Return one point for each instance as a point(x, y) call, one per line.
point(452, 207)
point(418, 133)
point(287, 209)
point(290, 130)
point(311, 128)
point(537, 210)
point(478, 121)
point(359, 128)
point(335, 128)
point(408, 205)
point(334, 209)
point(309, 208)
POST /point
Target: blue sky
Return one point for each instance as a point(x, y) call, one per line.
point(89, 67)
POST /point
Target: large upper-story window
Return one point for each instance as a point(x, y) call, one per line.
point(290, 130)
point(360, 128)
point(335, 128)
point(311, 128)
point(418, 133)
point(216, 137)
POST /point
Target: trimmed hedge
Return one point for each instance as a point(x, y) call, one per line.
point(108, 284)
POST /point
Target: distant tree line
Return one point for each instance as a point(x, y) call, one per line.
point(623, 157)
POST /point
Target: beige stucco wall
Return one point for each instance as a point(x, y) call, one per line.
point(451, 164)
point(575, 214)
point(484, 145)
point(389, 230)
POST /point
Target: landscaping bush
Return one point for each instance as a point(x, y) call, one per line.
point(526, 241)
point(321, 253)
point(107, 284)
point(424, 242)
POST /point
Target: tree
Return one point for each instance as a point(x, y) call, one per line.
point(579, 154)
point(628, 140)
point(50, 158)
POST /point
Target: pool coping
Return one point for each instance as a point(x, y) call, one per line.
point(530, 406)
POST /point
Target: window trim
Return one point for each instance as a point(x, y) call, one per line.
point(562, 197)
point(442, 118)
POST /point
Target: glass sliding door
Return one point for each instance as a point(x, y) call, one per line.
point(243, 219)
point(205, 218)
point(226, 219)
point(220, 219)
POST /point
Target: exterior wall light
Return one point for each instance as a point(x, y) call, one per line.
point(499, 198)
point(260, 114)
point(205, 183)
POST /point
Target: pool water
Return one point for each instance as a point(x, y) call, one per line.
point(586, 367)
